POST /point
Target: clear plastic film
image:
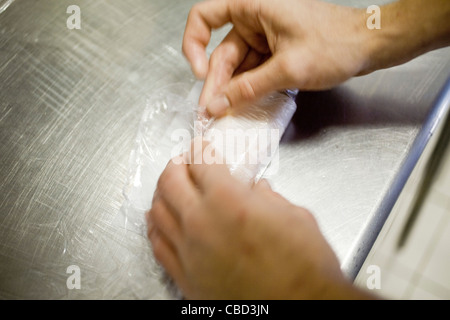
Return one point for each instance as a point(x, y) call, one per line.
point(246, 140)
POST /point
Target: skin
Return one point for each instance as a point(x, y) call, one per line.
point(220, 238)
point(305, 44)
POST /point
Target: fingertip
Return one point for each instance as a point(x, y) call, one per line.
point(219, 106)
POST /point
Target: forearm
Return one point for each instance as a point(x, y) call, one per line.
point(409, 28)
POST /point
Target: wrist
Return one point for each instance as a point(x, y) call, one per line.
point(408, 29)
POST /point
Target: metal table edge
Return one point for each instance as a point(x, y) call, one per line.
point(359, 252)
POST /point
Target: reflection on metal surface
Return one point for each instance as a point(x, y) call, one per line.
point(4, 4)
point(70, 104)
point(432, 167)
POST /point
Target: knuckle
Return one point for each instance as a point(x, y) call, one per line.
point(194, 12)
point(195, 9)
point(308, 216)
point(154, 240)
point(150, 229)
point(161, 181)
point(168, 178)
point(159, 247)
point(193, 15)
point(158, 250)
point(218, 57)
point(184, 46)
point(223, 57)
point(148, 215)
point(156, 213)
point(218, 54)
point(245, 88)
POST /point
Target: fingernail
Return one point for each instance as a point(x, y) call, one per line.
point(218, 106)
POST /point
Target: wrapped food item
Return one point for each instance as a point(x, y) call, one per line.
point(246, 139)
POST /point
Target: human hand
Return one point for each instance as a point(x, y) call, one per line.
point(219, 238)
point(303, 44)
point(273, 45)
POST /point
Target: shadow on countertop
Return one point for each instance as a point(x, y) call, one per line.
point(341, 106)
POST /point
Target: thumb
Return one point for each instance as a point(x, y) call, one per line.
point(249, 87)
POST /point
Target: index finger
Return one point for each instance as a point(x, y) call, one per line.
point(207, 168)
point(202, 18)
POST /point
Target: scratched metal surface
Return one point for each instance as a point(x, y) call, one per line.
point(70, 103)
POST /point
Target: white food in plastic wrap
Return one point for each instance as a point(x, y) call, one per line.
point(169, 111)
point(248, 138)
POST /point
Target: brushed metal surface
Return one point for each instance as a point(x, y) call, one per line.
point(70, 103)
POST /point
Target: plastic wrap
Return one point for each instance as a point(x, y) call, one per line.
point(246, 139)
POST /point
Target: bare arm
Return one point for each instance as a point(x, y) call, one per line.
point(305, 44)
point(409, 28)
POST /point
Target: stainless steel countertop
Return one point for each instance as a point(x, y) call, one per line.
point(70, 104)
